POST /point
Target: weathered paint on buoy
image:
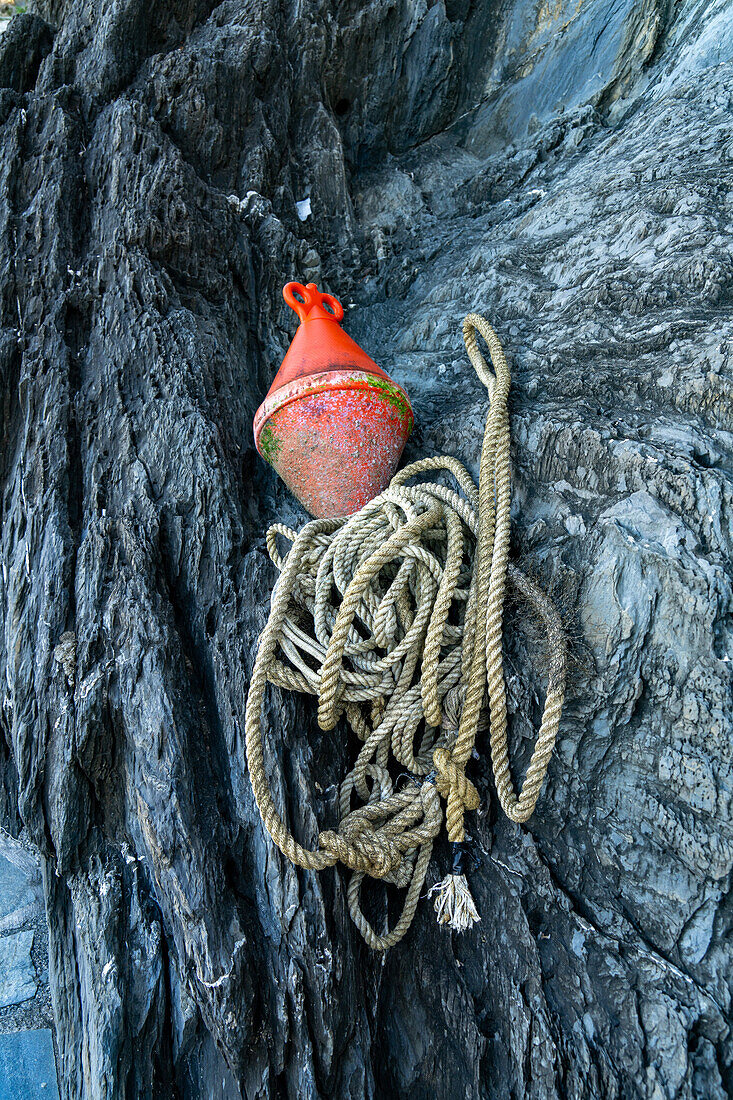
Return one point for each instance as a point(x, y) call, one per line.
point(333, 424)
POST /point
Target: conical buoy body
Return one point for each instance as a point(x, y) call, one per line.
point(333, 424)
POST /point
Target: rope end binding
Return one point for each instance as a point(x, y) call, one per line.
point(454, 904)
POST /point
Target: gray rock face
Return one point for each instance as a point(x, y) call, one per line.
point(566, 171)
point(27, 1069)
point(17, 981)
point(20, 888)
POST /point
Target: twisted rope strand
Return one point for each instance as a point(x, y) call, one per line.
point(393, 617)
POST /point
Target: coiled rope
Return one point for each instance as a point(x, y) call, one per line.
point(393, 618)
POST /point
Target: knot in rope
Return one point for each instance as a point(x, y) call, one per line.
point(393, 618)
point(458, 791)
point(362, 848)
point(407, 818)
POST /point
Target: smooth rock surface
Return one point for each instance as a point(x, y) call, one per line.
point(21, 897)
point(17, 980)
point(27, 1066)
point(566, 171)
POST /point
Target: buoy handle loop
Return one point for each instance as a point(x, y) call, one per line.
point(314, 303)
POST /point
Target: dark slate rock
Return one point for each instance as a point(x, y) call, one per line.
point(566, 170)
point(26, 41)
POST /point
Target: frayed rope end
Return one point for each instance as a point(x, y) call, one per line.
point(454, 904)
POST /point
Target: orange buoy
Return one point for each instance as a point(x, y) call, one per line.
point(333, 424)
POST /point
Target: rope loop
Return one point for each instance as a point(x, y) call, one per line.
point(393, 618)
